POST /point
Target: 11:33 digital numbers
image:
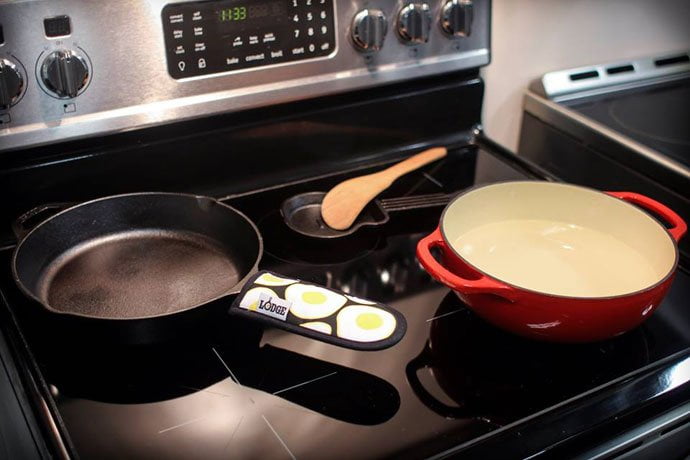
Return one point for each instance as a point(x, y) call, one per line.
point(236, 13)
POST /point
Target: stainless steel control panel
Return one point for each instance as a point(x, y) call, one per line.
point(68, 72)
point(203, 38)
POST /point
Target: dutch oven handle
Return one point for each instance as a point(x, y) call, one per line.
point(678, 225)
point(22, 226)
point(482, 285)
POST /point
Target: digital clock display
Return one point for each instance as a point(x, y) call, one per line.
point(238, 13)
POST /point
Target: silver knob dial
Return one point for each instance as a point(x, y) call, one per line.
point(64, 73)
point(11, 84)
point(369, 29)
point(456, 17)
point(414, 22)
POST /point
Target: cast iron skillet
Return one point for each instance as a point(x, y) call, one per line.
point(148, 258)
point(133, 260)
point(302, 213)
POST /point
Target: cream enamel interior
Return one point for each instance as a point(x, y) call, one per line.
point(559, 239)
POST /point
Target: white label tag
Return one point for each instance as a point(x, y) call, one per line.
point(273, 306)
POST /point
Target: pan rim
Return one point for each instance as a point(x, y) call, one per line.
point(233, 290)
point(670, 274)
point(285, 205)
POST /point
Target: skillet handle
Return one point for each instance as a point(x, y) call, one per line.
point(482, 285)
point(277, 301)
point(22, 226)
point(406, 203)
point(678, 225)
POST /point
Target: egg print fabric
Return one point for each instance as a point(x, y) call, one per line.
point(269, 279)
point(313, 302)
point(320, 313)
point(364, 323)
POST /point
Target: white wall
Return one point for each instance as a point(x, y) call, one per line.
point(532, 37)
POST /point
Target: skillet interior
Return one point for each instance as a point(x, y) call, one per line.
point(136, 256)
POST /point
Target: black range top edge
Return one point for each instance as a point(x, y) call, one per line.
point(657, 116)
point(453, 382)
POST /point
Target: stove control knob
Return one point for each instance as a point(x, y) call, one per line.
point(414, 22)
point(456, 17)
point(369, 29)
point(64, 73)
point(11, 84)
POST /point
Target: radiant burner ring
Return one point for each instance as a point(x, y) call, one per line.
point(627, 114)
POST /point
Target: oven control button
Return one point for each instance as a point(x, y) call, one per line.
point(65, 73)
point(11, 84)
point(369, 29)
point(414, 22)
point(456, 17)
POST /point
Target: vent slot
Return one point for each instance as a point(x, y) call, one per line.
point(672, 60)
point(620, 69)
point(584, 75)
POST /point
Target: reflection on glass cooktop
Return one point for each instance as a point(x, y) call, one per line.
point(657, 116)
point(229, 389)
point(496, 376)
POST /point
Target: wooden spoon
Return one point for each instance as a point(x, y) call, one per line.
point(343, 203)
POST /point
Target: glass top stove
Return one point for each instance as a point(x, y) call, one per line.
point(232, 390)
point(657, 116)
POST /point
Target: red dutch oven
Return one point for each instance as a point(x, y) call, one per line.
point(555, 261)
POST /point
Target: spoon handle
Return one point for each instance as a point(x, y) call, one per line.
point(343, 203)
point(412, 163)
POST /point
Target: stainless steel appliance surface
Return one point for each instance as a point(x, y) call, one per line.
point(619, 125)
point(73, 70)
point(99, 105)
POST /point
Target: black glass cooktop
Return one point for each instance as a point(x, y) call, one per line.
point(232, 390)
point(657, 116)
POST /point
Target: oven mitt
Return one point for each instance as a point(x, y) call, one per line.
point(323, 314)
